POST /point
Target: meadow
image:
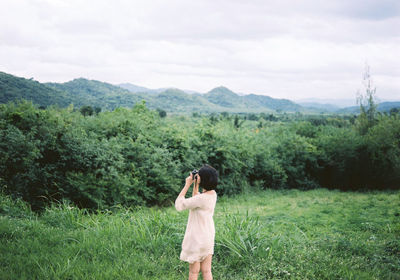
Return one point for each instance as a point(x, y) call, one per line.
point(269, 234)
point(90, 196)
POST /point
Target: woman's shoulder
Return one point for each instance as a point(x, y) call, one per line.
point(210, 193)
point(210, 197)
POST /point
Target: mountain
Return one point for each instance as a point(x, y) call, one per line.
point(91, 88)
point(382, 107)
point(97, 94)
point(387, 106)
point(224, 97)
point(324, 107)
point(338, 102)
point(81, 92)
point(139, 89)
point(13, 88)
point(273, 103)
point(134, 88)
point(176, 100)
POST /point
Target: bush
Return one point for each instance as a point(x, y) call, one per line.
point(383, 148)
point(137, 157)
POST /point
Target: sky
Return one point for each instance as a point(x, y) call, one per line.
point(293, 49)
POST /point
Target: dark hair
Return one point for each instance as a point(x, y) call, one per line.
point(208, 177)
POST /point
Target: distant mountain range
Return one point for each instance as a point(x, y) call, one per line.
point(337, 102)
point(382, 107)
point(139, 89)
point(81, 92)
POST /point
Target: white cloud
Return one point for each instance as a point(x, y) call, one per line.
point(288, 49)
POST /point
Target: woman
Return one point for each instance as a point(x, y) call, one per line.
point(198, 243)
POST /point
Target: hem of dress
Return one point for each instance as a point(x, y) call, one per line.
point(198, 259)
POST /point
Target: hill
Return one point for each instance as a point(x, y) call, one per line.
point(83, 92)
point(387, 106)
point(382, 107)
point(139, 89)
point(175, 100)
point(13, 88)
point(323, 107)
point(135, 89)
point(96, 93)
point(337, 102)
point(272, 103)
point(224, 97)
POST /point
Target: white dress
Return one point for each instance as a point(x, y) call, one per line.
point(198, 242)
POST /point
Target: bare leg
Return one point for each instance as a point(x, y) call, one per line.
point(194, 269)
point(206, 268)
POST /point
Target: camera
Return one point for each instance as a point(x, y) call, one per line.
point(194, 173)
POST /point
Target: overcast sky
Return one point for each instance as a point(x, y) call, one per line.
point(288, 48)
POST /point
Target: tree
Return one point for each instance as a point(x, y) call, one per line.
point(161, 113)
point(237, 123)
point(367, 102)
point(86, 110)
point(97, 110)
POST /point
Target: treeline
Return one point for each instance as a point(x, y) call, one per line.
point(139, 157)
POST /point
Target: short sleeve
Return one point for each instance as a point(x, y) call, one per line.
point(182, 203)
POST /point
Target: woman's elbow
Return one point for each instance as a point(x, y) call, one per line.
point(179, 205)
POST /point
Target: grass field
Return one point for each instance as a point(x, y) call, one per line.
point(288, 234)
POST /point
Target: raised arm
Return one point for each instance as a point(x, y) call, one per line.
point(188, 183)
point(195, 201)
point(196, 186)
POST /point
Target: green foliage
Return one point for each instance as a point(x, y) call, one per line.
point(224, 97)
point(383, 148)
point(162, 113)
point(14, 88)
point(340, 161)
point(82, 92)
point(298, 157)
point(90, 93)
point(137, 157)
point(104, 96)
point(278, 105)
point(114, 158)
point(86, 110)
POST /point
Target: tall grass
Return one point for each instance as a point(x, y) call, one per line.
point(316, 234)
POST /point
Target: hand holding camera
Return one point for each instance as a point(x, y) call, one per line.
point(195, 177)
point(192, 177)
point(194, 174)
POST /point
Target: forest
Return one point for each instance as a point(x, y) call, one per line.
point(138, 156)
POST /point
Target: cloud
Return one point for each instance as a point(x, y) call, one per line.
point(285, 48)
